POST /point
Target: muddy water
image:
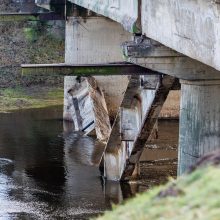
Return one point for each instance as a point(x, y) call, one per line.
point(49, 172)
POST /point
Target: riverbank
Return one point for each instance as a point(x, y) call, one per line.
point(29, 42)
point(29, 97)
point(195, 196)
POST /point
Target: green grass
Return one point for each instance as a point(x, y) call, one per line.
point(199, 199)
point(24, 98)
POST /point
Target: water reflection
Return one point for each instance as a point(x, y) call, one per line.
point(47, 171)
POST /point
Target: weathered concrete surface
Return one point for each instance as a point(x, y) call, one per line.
point(69, 83)
point(97, 40)
point(153, 55)
point(154, 100)
point(134, 124)
point(88, 108)
point(118, 150)
point(189, 27)
point(124, 12)
point(199, 121)
point(89, 41)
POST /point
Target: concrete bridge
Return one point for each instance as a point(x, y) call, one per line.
point(176, 40)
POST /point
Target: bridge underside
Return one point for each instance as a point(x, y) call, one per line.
point(190, 27)
point(176, 38)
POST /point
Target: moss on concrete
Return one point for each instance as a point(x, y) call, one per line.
point(34, 97)
point(195, 196)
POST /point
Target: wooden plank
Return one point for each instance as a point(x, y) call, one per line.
point(148, 124)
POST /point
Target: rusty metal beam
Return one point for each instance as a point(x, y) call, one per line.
point(25, 16)
point(63, 69)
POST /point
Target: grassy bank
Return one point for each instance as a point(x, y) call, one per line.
point(195, 196)
point(34, 97)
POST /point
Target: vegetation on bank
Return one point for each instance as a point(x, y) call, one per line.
point(20, 44)
point(194, 196)
point(35, 97)
point(29, 42)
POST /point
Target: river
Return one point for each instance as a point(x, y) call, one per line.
point(48, 171)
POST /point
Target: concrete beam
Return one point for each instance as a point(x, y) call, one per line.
point(124, 12)
point(63, 69)
point(189, 27)
point(92, 40)
point(116, 150)
point(148, 123)
point(153, 55)
point(6, 17)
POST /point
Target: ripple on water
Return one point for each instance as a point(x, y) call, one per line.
point(17, 208)
point(11, 209)
point(5, 162)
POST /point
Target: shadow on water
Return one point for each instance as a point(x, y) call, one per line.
point(48, 171)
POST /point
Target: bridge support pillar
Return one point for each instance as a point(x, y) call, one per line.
point(92, 40)
point(199, 121)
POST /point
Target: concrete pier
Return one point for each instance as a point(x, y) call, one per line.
point(199, 121)
point(94, 40)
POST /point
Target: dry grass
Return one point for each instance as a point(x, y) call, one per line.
point(35, 97)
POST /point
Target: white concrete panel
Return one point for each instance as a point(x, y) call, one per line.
point(189, 27)
point(97, 40)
